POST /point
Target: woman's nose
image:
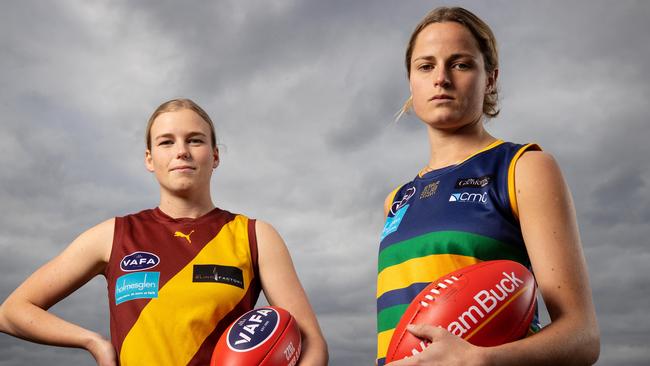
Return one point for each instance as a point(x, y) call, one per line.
point(442, 77)
point(183, 152)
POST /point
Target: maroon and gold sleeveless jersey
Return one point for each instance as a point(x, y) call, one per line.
point(174, 285)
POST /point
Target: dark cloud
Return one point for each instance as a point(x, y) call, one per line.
point(304, 95)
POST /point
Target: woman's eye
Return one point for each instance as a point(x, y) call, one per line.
point(425, 67)
point(462, 66)
point(196, 141)
point(165, 142)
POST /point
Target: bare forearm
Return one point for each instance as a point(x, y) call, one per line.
point(314, 352)
point(29, 322)
point(560, 343)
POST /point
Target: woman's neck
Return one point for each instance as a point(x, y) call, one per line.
point(189, 207)
point(451, 147)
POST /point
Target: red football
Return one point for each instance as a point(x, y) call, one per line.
point(266, 336)
point(487, 304)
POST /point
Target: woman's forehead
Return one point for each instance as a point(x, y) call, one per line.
point(447, 37)
point(179, 120)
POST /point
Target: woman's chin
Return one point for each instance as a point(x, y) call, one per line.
point(182, 189)
point(449, 122)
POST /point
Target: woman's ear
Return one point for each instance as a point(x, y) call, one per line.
point(215, 154)
point(148, 160)
point(491, 84)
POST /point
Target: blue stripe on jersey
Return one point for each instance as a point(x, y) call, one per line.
point(396, 297)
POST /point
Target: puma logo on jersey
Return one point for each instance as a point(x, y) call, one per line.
point(185, 236)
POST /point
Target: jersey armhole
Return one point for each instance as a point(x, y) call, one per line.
point(118, 231)
point(255, 285)
point(252, 243)
point(512, 189)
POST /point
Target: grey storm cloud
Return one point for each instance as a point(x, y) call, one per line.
point(304, 96)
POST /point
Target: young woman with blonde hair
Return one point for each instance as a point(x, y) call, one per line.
point(177, 274)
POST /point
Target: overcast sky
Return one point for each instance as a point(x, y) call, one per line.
point(303, 94)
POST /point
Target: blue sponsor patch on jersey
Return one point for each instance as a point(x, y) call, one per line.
point(252, 329)
point(392, 223)
point(139, 285)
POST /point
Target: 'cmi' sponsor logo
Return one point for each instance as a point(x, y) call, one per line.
point(252, 329)
point(469, 197)
point(138, 261)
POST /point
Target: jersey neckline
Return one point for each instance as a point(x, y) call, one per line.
point(440, 171)
point(159, 215)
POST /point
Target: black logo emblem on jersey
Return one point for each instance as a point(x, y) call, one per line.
point(399, 204)
point(429, 190)
point(218, 274)
point(479, 182)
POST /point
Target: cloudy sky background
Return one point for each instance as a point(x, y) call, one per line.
point(303, 94)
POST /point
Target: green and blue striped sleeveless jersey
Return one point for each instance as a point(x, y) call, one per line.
point(444, 220)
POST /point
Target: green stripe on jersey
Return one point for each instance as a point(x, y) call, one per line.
point(389, 317)
point(449, 242)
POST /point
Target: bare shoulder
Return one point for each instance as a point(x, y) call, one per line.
point(538, 172)
point(96, 242)
point(264, 228)
point(536, 163)
point(103, 231)
point(268, 238)
point(540, 186)
point(387, 202)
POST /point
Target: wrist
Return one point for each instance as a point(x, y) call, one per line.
point(101, 349)
point(483, 356)
point(92, 342)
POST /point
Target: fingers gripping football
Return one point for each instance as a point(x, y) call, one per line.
point(428, 332)
point(486, 304)
point(442, 348)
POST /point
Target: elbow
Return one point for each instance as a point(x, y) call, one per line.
point(315, 350)
point(592, 347)
point(323, 352)
point(593, 342)
point(580, 346)
point(9, 310)
point(587, 348)
point(5, 308)
point(2, 319)
point(326, 354)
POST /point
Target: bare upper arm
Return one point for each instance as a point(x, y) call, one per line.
point(550, 231)
point(275, 265)
point(83, 259)
point(279, 279)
